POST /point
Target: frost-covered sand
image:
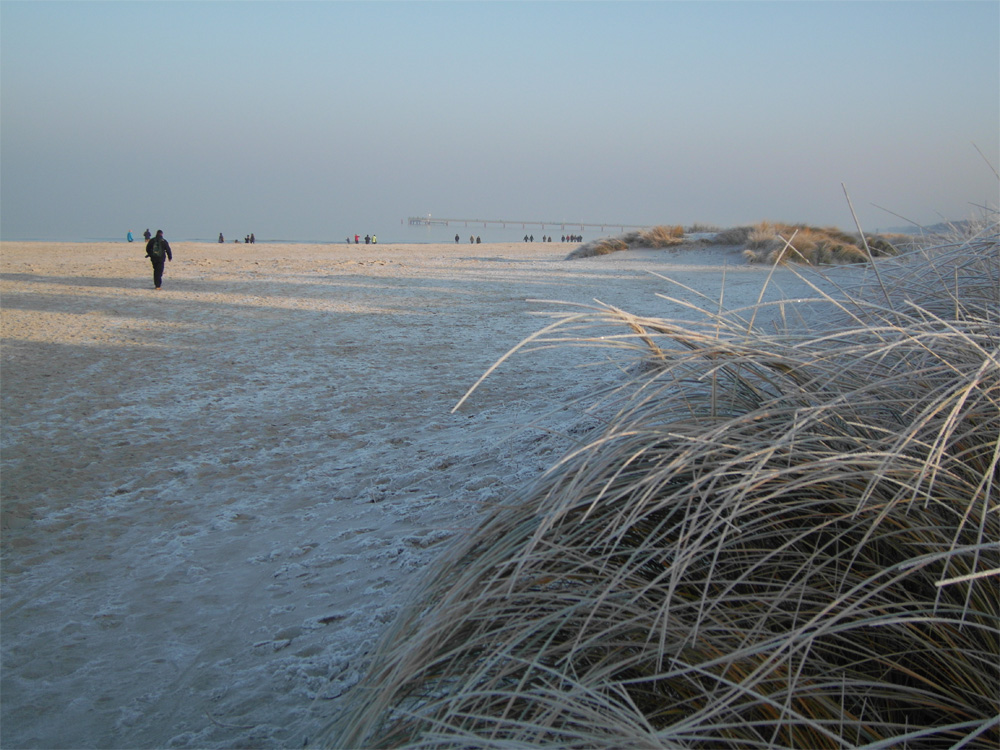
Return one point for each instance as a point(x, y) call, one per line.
point(215, 496)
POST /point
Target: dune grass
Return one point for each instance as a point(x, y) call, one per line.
point(781, 540)
point(654, 237)
point(772, 243)
point(764, 242)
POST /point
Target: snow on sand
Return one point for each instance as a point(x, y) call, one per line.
point(215, 496)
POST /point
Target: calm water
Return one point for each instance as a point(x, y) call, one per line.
point(434, 233)
point(401, 232)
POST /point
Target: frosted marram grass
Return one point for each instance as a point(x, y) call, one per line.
point(782, 539)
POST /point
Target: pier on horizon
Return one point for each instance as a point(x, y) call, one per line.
point(429, 220)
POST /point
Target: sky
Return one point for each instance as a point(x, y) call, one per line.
point(311, 121)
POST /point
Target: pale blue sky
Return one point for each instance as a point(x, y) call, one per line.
point(313, 120)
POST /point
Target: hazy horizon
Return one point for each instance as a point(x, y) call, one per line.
point(311, 120)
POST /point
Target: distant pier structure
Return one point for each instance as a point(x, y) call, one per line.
point(429, 220)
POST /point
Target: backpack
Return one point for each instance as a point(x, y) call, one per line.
point(156, 251)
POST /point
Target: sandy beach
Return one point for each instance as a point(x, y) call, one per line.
point(215, 496)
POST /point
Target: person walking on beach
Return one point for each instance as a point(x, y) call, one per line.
point(147, 235)
point(158, 250)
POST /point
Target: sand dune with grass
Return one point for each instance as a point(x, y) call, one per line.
point(765, 242)
point(217, 499)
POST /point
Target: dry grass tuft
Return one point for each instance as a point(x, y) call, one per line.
point(602, 246)
point(779, 243)
point(653, 237)
point(733, 236)
point(779, 540)
point(661, 236)
point(765, 242)
point(700, 228)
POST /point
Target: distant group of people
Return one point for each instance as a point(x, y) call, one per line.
point(548, 238)
point(248, 240)
point(371, 239)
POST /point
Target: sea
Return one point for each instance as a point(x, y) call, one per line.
point(402, 232)
point(470, 231)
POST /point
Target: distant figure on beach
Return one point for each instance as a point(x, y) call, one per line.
point(532, 238)
point(456, 239)
point(374, 240)
point(158, 249)
point(221, 239)
point(147, 235)
point(252, 238)
point(357, 239)
point(368, 239)
point(472, 240)
point(525, 238)
point(478, 240)
point(130, 235)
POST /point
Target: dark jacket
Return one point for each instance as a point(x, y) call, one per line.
point(158, 246)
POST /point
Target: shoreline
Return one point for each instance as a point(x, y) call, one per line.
point(276, 242)
point(282, 243)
